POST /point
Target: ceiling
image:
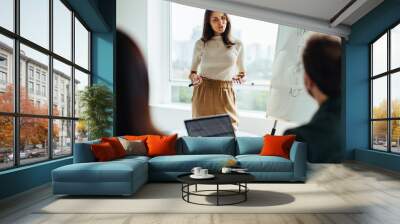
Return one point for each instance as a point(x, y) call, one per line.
point(317, 9)
point(326, 16)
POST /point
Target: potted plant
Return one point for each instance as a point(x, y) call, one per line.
point(96, 103)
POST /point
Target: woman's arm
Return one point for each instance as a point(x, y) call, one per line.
point(197, 52)
point(240, 77)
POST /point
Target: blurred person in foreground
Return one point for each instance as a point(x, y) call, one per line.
point(322, 79)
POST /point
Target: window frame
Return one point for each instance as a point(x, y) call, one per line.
point(16, 115)
point(177, 82)
point(388, 74)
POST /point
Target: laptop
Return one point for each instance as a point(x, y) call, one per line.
point(210, 126)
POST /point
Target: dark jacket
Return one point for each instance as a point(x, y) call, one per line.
point(322, 134)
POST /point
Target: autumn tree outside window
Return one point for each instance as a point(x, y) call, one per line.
point(44, 64)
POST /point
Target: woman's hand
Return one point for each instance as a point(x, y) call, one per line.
point(196, 79)
point(239, 79)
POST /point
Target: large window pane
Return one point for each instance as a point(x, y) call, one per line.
point(34, 79)
point(62, 89)
point(81, 81)
point(181, 94)
point(35, 21)
point(7, 14)
point(81, 45)
point(62, 138)
point(251, 99)
point(379, 56)
point(379, 98)
point(33, 139)
point(395, 95)
point(395, 47)
point(6, 142)
point(379, 135)
point(6, 74)
point(81, 131)
point(62, 29)
point(395, 136)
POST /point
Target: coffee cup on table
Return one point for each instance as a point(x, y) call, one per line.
point(196, 171)
point(203, 172)
point(226, 170)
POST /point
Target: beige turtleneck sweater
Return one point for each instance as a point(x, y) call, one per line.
point(216, 60)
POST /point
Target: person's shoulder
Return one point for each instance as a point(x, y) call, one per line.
point(199, 42)
point(238, 43)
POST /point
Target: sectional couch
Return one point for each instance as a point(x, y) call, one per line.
point(125, 176)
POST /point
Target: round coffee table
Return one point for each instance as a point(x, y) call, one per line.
point(238, 179)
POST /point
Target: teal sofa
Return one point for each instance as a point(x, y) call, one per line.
point(125, 176)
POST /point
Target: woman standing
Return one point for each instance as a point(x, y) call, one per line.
point(221, 64)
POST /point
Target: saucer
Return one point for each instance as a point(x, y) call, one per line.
point(208, 176)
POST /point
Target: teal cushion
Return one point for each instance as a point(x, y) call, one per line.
point(257, 163)
point(111, 171)
point(185, 163)
point(249, 145)
point(207, 145)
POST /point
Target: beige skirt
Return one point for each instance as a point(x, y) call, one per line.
point(213, 97)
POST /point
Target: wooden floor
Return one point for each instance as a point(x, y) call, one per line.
point(353, 182)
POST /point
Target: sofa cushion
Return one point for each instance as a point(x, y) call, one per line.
point(185, 163)
point(249, 145)
point(257, 163)
point(83, 152)
point(111, 171)
point(277, 145)
point(206, 145)
point(103, 152)
point(160, 145)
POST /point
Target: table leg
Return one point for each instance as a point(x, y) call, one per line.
point(196, 188)
point(217, 194)
point(245, 193)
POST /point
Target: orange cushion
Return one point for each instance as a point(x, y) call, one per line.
point(277, 145)
point(159, 145)
point(103, 152)
point(134, 137)
point(116, 145)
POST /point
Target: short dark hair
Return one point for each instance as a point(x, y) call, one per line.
point(322, 60)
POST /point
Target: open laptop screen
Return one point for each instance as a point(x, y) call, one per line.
point(210, 126)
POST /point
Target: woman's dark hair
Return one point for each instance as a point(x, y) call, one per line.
point(208, 32)
point(322, 62)
point(132, 90)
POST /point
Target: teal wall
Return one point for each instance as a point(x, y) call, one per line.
point(103, 51)
point(100, 16)
point(356, 84)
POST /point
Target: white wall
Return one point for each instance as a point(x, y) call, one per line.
point(132, 19)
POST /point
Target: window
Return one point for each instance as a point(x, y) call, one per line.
point(3, 61)
point(6, 74)
point(7, 14)
point(258, 38)
point(45, 131)
point(35, 21)
point(385, 95)
point(81, 45)
point(3, 78)
point(30, 87)
point(30, 72)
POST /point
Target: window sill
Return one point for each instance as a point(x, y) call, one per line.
point(26, 167)
point(187, 107)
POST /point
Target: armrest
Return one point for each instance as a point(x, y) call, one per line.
point(83, 152)
point(298, 155)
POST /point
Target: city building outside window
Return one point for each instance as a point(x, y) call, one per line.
point(56, 128)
